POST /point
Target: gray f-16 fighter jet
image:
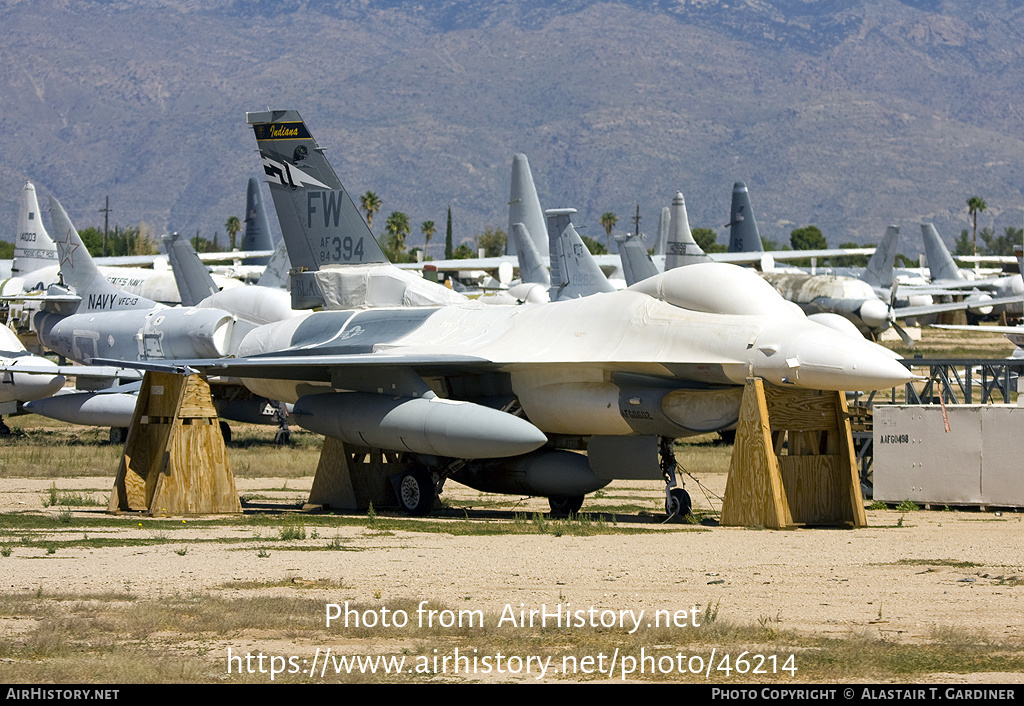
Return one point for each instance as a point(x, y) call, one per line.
point(492, 396)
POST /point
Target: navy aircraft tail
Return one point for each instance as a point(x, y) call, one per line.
point(319, 220)
point(743, 233)
point(256, 235)
point(574, 273)
point(681, 249)
point(190, 274)
point(524, 205)
point(940, 263)
point(878, 273)
point(80, 273)
point(33, 247)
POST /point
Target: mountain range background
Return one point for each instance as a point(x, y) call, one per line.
point(845, 115)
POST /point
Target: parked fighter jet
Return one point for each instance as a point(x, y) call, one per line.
point(487, 395)
point(15, 386)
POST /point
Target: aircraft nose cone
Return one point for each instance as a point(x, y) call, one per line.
point(874, 313)
point(833, 361)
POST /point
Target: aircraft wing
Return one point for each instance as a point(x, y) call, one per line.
point(783, 255)
point(145, 260)
point(904, 312)
point(89, 371)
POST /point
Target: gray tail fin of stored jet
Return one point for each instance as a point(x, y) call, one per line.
point(636, 263)
point(574, 273)
point(256, 235)
point(275, 274)
point(33, 248)
point(681, 249)
point(81, 274)
point(531, 266)
point(940, 262)
point(743, 233)
point(524, 206)
point(664, 222)
point(190, 274)
point(320, 222)
point(878, 273)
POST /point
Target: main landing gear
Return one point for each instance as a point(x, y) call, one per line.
point(677, 500)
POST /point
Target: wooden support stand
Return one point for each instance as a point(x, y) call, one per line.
point(793, 462)
point(351, 477)
point(174, 460)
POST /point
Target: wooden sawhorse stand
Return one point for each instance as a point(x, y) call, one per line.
point(174, 460)
point(793, 462)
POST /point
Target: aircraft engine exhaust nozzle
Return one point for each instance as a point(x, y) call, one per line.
point(435, 426)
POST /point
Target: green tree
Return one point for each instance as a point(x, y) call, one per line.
point(370, 204)
point(706, 238)
point(608, 221)
point(397, 227)
point(963, 246)
point(448, 252)
point(463, 252)
point(807, 238)
point(596, 247)
point(428, 230)
point(1000, 244)
point(493, 242)
point(975, 205)
point(233, 225)
point(6, 250)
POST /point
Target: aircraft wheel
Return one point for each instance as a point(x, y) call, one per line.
point(678, 503)
point(118, 435)
point(416, 491)
point(283, 437)
point(564, 505)
point(225, 431)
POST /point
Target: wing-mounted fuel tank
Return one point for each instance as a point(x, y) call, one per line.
point(425, 425)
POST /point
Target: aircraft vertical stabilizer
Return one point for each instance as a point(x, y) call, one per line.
point(681, 249)
point(256, 235)
point(636, 263)
point(320, 222)
point(524, 206)
point(878, 273)
point(743, 233)
point(33, 247)
point(574, 273)
point(275, 274)
point(664, 221)
point(81, 274)
point(531, 266)
point(190, 274)
point(940, 262)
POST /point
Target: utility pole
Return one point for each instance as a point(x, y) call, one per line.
point(106, 222)
point(636, 221)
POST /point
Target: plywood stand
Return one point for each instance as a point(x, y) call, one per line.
point(174, 460)
point(351, 477)
point(793, 462)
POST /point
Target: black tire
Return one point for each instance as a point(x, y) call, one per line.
point(118, 435)
point(678, 503)
point(283, 437)
point(564, 505)
point(416, 491)
point(225, 431)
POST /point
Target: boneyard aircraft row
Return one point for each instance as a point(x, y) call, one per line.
point(492, 395)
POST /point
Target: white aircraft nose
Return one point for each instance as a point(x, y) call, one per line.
point(819, 358)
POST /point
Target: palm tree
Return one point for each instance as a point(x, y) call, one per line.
point(975, 205)
point(397, 227)
point(608, 220)
point(370, 203)
point(428, 230)
point(233, 226)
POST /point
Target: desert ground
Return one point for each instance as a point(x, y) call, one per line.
point(928, 586)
